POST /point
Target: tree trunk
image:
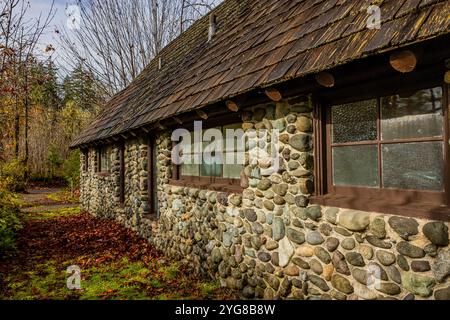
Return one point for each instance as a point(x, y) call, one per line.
point(26, 106)
point(17, 129)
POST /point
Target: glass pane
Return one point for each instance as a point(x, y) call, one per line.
point(232, 144)
point(211, 170)
point(418, 166)
point(104, 160)
point(154, 177)
point(416, 116)
point(192, 170)
point(356, 166)
point(355, 122)
point(232, 171)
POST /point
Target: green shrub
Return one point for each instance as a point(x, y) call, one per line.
point(12, 176)
point(71, 170)
point(9, 221)
point(54, 161)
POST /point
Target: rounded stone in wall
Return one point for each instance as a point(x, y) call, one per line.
point(385, 257)
point(331, 244)
point(341, 284)
point(437, 233)
point(314, 238)
point(348, 244)
point(404, 227)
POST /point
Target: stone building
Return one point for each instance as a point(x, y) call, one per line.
point(358, 206)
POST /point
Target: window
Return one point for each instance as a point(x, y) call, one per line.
point(223, 171)
point(153, 178)
point(122, 175)
point(104, 159)
point(85, 161)
point(388, 148)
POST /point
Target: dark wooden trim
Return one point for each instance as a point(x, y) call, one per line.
point(379, 141)
point(446, 106)
point(200, 182)
point(85, 161)
point(319, 148)
point(415, 209)
point(98, 157)
point(175, 168)
point(151, 175)
point(211, 180)
point(403, 196)
point(122, 175)
point(206, 185)
point(424, 204)
point(379, 146)
point(103, 174)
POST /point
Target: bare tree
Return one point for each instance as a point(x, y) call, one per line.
point(19, 37)
point(118, 38)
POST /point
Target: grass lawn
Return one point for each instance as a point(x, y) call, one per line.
point(114, 263)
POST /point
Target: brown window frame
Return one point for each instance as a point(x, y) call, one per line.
point(151, 175)
point(419, 203)
point(122, 175)
point(99, 169)
point(85, 161)
point(209, 183)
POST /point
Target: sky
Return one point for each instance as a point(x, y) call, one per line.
point(59, 21)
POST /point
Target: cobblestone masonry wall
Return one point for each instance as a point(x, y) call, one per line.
point(268, 241)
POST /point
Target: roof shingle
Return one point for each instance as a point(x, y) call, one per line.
point(257, 43)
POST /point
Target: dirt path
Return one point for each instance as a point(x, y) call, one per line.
point(114, 262)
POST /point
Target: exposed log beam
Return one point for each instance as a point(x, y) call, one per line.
point(160, 126)
point(403, 61)
point(273, 94)
point(325, 79)
point(232, 106)
point(447, 77)
point(202, 114)
point(177, 120)
point(124, 136)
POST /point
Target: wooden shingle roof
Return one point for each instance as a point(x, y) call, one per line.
point(258, 43)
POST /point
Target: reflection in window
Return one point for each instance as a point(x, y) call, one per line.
point(411, 142)
point(417, 166)
point(356, 166)
point(416, 116)
point(105, 159)
point(223, 169)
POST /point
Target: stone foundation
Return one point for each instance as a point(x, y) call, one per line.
point(268, 241)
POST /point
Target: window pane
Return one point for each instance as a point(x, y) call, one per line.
point(232, 144)
point(355, 121)
point(211, 170)
point(356, 166)
point(104, 159)
point(414, 166)
point(192, 170)
point(416, 116)
point(232, 171)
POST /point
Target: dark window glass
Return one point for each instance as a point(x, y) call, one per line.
point(210, 169)
point(410, 141)
point(416, 116)
point(105, 159)
point(356, 166)
point(355, 122)
point(418, 166)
